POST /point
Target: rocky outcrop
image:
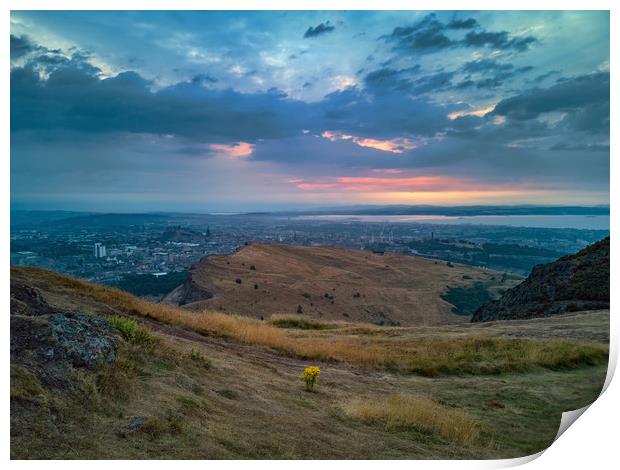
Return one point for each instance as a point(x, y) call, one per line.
point(27, 300)
point(51, 344)
point(572, 283)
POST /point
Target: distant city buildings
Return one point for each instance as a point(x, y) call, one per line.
point(100, 251)
point(133, 248)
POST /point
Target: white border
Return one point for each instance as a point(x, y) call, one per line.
point(591, 443)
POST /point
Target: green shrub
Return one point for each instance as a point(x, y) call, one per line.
point(130, 330)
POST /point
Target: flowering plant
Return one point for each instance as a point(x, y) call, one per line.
point(310, 375)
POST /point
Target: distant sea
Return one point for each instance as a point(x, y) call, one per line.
point(591, 222)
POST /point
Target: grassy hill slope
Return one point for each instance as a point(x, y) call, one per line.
point(98, 373)
point(332, 284)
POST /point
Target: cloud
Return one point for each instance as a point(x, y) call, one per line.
point(383, 116)
point(238, 150)
point(389, 117)
point(388, 80)
point(426, 35)
point(430, 35)
point(318, 30)
point(491, 73)
point(485, 66)
point(584, 93)
point(203, 78)
point(75, 98)
point(23, 45)
point(497, 40)
point(398, 145)
point(475, 112)
point(469, 23)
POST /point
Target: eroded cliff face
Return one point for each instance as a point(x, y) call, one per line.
point(572, 283)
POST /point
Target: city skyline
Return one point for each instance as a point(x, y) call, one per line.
point(236, 111)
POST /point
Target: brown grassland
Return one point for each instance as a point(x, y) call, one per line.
point(211, 385)
point(330, 283)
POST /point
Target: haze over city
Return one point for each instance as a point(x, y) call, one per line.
point(239, 111)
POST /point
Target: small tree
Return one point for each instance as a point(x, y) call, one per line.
point(300, 309)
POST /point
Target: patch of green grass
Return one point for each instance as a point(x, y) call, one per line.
point(187, 402)
point(479, 355)
point(299, 323)
point(130, 330)
point(25, 385)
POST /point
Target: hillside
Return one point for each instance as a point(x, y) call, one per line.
point(572, 283)
point(98, 373)
point(333, 284)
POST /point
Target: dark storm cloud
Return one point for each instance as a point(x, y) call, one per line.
point(497, 40)
point(74, 98)
point(584, 92)
point(385, 115)
point(318, 30)
point(434, 82)
point(469, 23)
point(493, 72)
point(485, 65)
point(21, 46)
point(427, 34)
point(430, 34)
point(203, 78)
point(387, 80)
point(490, 74)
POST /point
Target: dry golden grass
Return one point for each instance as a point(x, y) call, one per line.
point(423, 414)
point(328, 283)
point(427, 355)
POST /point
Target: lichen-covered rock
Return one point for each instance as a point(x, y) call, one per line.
point(53, 345)
point(85, 340)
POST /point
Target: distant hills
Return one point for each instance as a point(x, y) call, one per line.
point(335, 284)
point(460, 211)
point(572, 283)
point(22, 217)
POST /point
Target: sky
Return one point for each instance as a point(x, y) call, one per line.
point(240, 111)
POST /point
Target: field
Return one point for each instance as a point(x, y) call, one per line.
point(332, 284)
point(210, 385)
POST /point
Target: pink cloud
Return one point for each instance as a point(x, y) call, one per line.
point(316, 185)
point(409, 184)
point(387, 171)
point(398, 145)
point(238, 150)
